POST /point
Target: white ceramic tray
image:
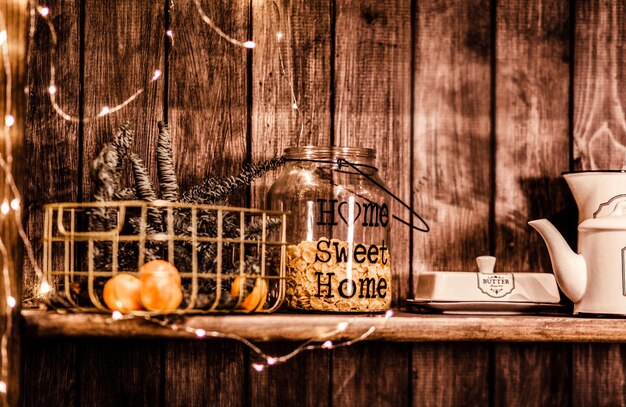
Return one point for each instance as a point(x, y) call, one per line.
point(485, 307)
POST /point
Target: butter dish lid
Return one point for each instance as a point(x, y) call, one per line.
point(486, 286)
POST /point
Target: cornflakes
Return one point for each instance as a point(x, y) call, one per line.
point(334, 275)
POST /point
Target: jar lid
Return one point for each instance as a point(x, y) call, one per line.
point(355, 154)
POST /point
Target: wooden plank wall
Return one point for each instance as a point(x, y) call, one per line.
point(12, 103)
point(475, 107)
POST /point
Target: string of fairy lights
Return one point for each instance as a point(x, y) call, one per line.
point(322, 341)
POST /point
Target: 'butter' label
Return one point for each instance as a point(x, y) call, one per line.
point(496, 285)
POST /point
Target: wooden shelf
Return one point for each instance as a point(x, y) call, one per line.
point(403, 327)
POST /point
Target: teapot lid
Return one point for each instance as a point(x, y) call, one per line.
point(610, 215)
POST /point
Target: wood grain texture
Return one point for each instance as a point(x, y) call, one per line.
point(119, 373)
point(305, 52)
point(372, 107)
point(532, 144)
point(51, 146)
point(403, 327)
point(306, 55)
point(49, 372)
point(208, 91)
point(532, 85)
point(532, 375)
point(123, 46)
point(371, 373)
point(122, 51)
point(205, 373)
point(447, 374)
point(599, 95)
point(301, 381)
point(208, 115)
point(372, 104)
point(451, 141)
point(598, 375)
point(12, 103)
point(52, 157)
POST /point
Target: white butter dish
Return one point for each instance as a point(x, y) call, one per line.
point(486, 286)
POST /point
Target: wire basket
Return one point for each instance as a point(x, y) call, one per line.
point(213, 247)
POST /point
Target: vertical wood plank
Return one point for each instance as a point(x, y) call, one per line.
point(451, 176)
point(123, 46)
point(373, 101)
point(372, 62)
point(208, 115)
point(51, 148)
point(451, 133)
point(208, 91)
point(49, 377)
point(598, 375)
point(119, 373)
point(532, 144)
point(599, 143)
point(306, 53)
point(372, 373)
point(450, 374)
point(205, 373)
point(532, 80)
point(532, 375)
point(301, 381)
point(12, 103)
point(51, 152)
point(599, 95)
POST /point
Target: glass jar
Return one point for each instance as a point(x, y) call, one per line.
point(338, 255)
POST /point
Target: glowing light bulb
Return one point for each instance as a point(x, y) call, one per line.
point(5, 208)
point(249, 44)
point(169, 33)
point(271, 361)
point(105, 110)
point(116, 316)
point(279, 36)
point(327, 345)
point(257, 367)
point(11, 302)
point(3, 387)
point(52, 89)
point(44, 288)
point(156, 75)
point(342, 326)
point(295, 106)
point(9, 120)
point(389, 314)
point(3, 37)
point(200, 333)
point(44, 11)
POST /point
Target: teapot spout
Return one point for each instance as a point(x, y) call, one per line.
point(569, 268)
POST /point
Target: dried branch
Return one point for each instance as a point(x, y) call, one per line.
point(126, 194)
point(145, 191)
point(168, 184)
point(216, 189)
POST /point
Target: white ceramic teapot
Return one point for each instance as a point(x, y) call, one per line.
point(595, 279)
